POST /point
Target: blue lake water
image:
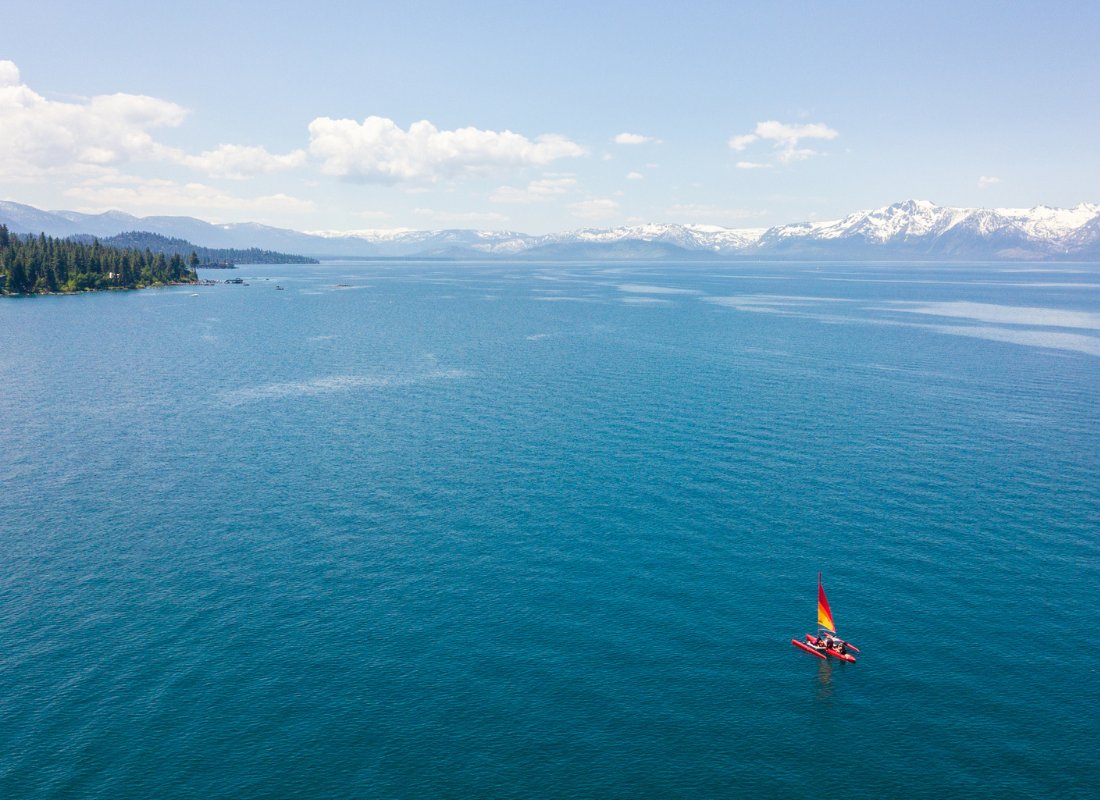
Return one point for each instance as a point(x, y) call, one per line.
point(431, 530)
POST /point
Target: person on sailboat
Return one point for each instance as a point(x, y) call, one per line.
point(826, 642)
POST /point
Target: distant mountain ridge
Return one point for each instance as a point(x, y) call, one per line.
point(914, 229)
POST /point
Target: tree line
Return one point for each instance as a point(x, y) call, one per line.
point(44, 264)
point(208, 256)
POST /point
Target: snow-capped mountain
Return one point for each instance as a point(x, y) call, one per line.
point(921, 228)
point(712, 238)
point(912, 229)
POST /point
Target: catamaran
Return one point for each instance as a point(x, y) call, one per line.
point(826, 642)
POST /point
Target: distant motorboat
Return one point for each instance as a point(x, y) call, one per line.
point(280, 288)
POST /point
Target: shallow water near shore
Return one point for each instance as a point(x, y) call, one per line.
point(430, 530)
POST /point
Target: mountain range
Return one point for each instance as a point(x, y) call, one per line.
point(911, 230)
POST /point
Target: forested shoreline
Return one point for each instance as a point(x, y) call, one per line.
point(46, 265)
point(209, 257)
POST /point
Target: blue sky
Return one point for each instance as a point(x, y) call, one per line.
point(346, 116)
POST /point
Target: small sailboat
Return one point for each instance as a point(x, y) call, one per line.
point(826, 643)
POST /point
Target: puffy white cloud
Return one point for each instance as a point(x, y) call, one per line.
point(792, 134)
point(634, 176)
point(752, 165)
point(739, 143)
point(987, 180)
point(785, 138)
point(377, 150)
point(635, 138)
point(9, 73)
point(240, 161)
point(536, 191)
point(40, 137)
point(595, 208)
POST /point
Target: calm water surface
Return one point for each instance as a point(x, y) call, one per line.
point(433, 530)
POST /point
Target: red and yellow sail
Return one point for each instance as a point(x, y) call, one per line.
point(824, 615)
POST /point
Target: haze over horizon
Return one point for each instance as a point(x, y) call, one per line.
point(501, 117)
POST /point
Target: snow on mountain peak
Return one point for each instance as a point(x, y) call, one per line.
point(909, 228)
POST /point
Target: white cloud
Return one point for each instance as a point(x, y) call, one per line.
point(536, 191)
point(792, 134)
point(377, 150)
point(595, 208)
point(635, 138)
point(634, 176)
point(41, 137)
point(987, 180)
point(9, 74)
point(239, 161)
point(739, 143)
point(785, 139)
point(752, 165)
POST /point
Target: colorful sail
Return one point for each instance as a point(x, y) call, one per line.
point(824, 615)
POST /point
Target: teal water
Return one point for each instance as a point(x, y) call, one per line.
point(512, 530)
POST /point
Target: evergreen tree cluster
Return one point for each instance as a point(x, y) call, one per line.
point(43, 264)
point(208, 256)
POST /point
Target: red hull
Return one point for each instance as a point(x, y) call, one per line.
point(807, 648)
point(842, 656)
